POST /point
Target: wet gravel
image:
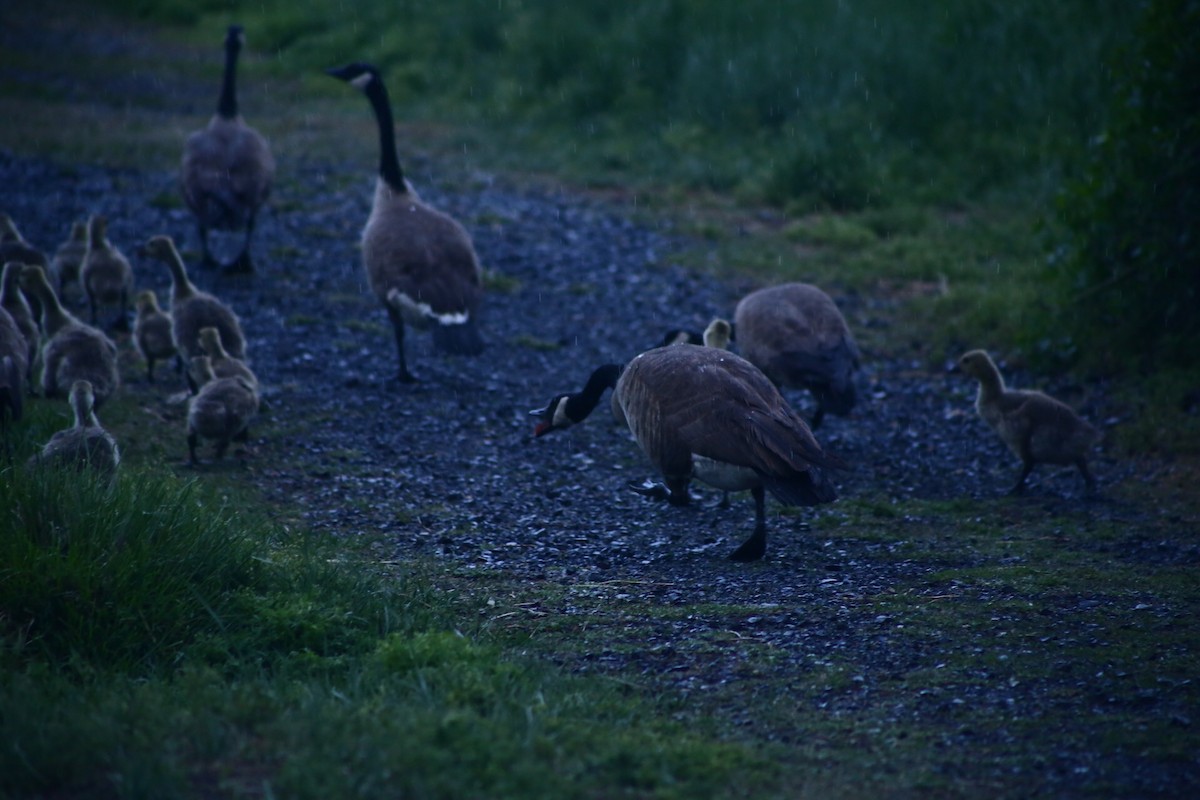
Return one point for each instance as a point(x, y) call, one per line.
point(447, 468)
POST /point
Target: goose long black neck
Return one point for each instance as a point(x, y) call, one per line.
point(389, 163)
point(227, 106)
point(581, 404)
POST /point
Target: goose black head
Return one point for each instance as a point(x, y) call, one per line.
point(358, 73)
point(235, 37)
point(552, 417)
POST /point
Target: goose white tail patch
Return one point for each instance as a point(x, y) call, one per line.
point(422, 313)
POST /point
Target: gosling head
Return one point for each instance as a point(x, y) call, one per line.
point(83, 399)
point(147, 302)
point(718, 334)
point(977, 364)
point(97, 227)
point(160, 247)
point(210, 342)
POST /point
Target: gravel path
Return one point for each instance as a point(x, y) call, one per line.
point(447, 468)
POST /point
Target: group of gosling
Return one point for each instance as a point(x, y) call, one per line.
point(38, 334)
point(697, 410)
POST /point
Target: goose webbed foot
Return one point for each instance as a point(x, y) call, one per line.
point(651, 489)
point(753, 548)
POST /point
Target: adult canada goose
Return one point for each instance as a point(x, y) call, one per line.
point(84, 445)
point(224, 365)
point(12, 300)
point(71, 349)
point(795, 334)
point(68, 258)
point(698, 412)
point(14, 354)
point(193, 309)
point(227, 167)
point(1037, 428)
point(152, 331)
point(221, 411)
point(105, 273)
point(420, 263)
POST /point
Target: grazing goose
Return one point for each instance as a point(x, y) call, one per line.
point(12, 300)
point(85, 445)
point(795, 334)
point(105, 273)
point(14, 355)
point(193, 309)
point(152, 331)
point(221, 411)
point(224, 365)
point(71, 349)
point(68, 259)
point(1037, 428)
point(420, 263)
point(227, 167)
point(707, 414)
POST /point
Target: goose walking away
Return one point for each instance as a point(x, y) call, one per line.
point(105, 273)
point(227, 168)
point(193, 309)
point(221, 410)
point(72, 350)
point(84, 445)
point(797, 336)
point(420, 263)
point(1037, 428)
point(68, 258)
point(14, 353)
point(152, 332)
point(702, 413)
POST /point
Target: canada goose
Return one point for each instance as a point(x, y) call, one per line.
point(105, 273)
point(221, 410)
point(152, 331)
point(68, 259)
point(14, 354)
point(193, 309)
point(224, 365)
point(71, 349)
point(13, 300)
point(84, 445)
point(1036, 427)
point(227, 167)
point(703, 413)
point(795, 334)
point(420, 262)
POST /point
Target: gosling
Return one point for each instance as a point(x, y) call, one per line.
point(106, 275)
point(152, 332)
point(221, 411)
point(85, 445)
point(1037, 428)
point(223, 364)
point(68, 258)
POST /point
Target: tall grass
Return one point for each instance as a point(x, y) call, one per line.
point(824, 103)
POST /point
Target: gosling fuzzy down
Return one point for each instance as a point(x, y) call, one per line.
point(68, 258)
point(221, 410)
point(105, 273)
point(193, 309)
point(71, 350)
point(14, 353)
point(796, 335)
point(227, 167)
point(1037, 428)
point(703, 413)
point(84, 445)
point(152, 332)
point(13, 300)
point(421, 263)
point(222, 363)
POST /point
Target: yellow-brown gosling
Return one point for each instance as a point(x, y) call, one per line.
point(227, 168)
point(193, 309)
point(14, 247)
point(223, 364)
point(13, 300)
point(152, 332)
point(796, 335)
point(698, 412)
point(14, 366)
point(1037, 428)
point(420, 263)
point(85, 445)
point(105, 273)
point(71, 349)
point(68, 258)
point(220, 411)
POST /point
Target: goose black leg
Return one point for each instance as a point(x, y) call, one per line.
point(756, 546)
point(402, 374)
